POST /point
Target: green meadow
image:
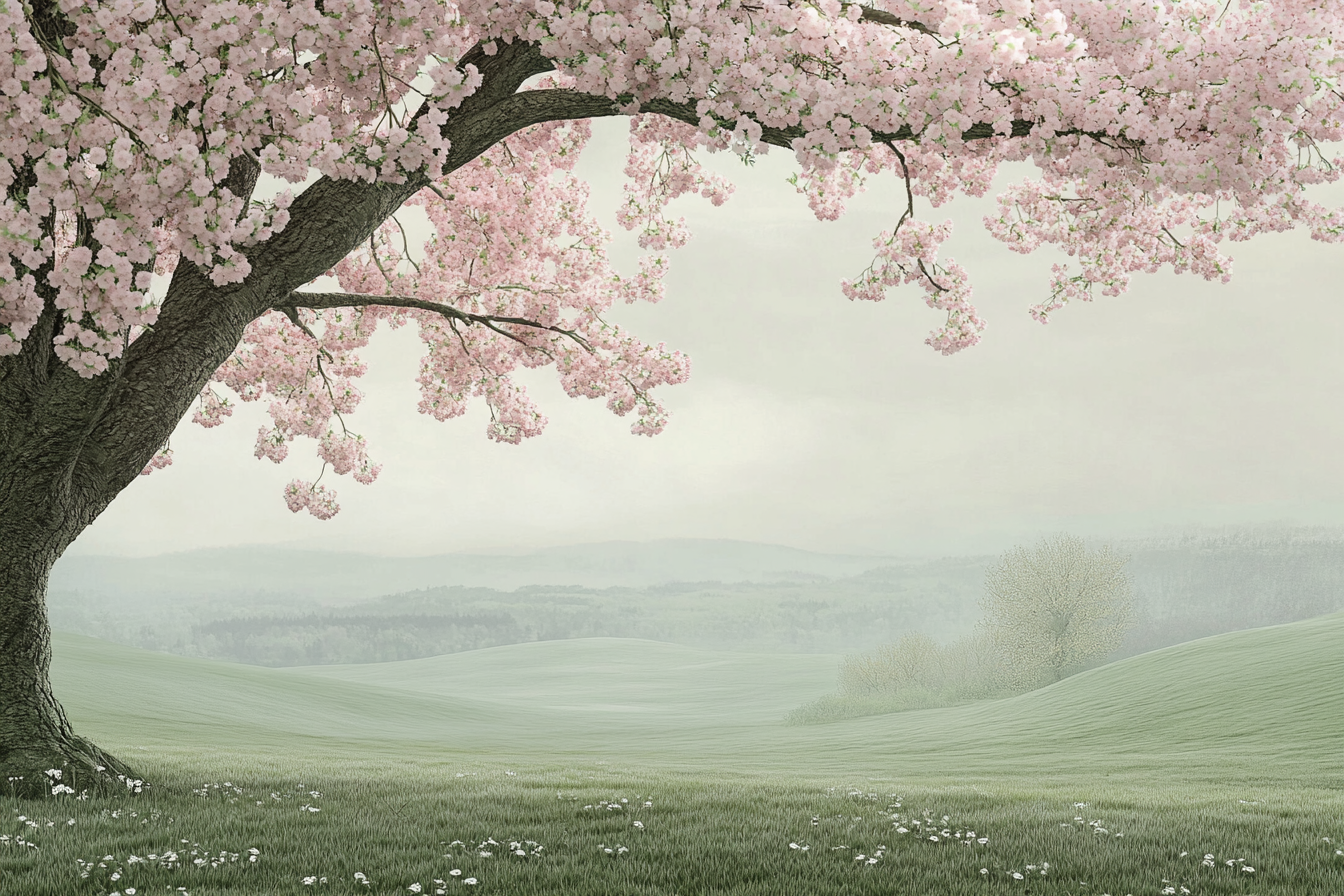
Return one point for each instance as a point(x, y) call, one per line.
point(617, 766)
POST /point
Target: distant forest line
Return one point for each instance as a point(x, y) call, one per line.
point(1183, 589)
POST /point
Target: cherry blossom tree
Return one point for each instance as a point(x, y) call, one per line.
point(133, 134)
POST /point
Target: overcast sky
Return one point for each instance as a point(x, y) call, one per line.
point(823, 424)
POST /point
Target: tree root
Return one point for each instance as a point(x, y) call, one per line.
point(76, 766)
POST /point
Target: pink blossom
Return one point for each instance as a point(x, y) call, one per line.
point(1160, 131)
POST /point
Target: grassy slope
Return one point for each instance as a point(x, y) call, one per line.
point(1267, 695)
point(1266, 704)
point(621, 677)
point(1227, 747)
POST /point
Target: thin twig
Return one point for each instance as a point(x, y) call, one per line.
point(909, 188)
point(405, 243)
point(332, 395)
point(382, 75)
point(292, 313)
point(373, 253)
point(929, 277)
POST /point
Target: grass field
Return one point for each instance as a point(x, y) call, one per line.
point(609, 766)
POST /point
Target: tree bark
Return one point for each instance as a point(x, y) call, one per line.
point(35, 736)
point(68, 446)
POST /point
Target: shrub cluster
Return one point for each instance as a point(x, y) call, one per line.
point(1050, 611)
point(914, 673)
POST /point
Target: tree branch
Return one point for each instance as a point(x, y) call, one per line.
point(883, 17)
point(331, 217)
point(474, 135)
point(324, 300)
point(784, 137)
point(200, 325)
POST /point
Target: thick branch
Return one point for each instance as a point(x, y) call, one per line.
point(520, 110)
point(883, 17)
point(561, 104)
point(784, 137)
point(199, 325)
point(161, 374)
point(332, 217)
point(322, 300)
point(46, 410)
point(244, 171)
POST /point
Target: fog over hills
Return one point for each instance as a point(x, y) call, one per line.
point(336, 578)
point(279, 607)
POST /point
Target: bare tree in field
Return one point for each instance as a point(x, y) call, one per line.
point(1056, 608)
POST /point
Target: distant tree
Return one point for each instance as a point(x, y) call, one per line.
point(1054, 609)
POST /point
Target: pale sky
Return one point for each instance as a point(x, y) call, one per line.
point(828, 425)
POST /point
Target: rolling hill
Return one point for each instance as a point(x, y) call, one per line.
point(1254, 703)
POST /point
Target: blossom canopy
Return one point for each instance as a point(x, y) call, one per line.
point(133, 132)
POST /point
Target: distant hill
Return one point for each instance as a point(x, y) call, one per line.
point(274, 606)
point(792, 613)
point(335, 578)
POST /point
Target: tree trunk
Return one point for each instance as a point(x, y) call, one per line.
point(35, 737)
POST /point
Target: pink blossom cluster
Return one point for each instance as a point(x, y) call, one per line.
point(908, 255)
point(514, 241)
point(317, 499)
point(828, 189)
point(132, 118)
point(308, 372)
point(1161, 128)
point(1166, 106)
point(164, 458)
point(212, 409)
point(517, 242)
point(662, 166)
